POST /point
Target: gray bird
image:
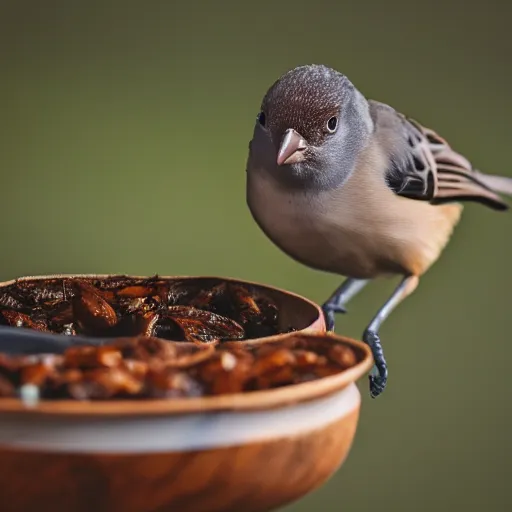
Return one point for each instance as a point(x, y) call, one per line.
point(350, 186)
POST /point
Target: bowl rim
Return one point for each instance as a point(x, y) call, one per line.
point(41, 277)
point(249, 401)
point(271, 288)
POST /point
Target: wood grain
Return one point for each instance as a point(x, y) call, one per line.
point(250, 478)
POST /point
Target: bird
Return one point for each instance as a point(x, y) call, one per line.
point(353, 187)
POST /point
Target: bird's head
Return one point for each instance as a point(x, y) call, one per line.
point(310, 122)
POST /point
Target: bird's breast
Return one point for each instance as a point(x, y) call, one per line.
point(352, 232)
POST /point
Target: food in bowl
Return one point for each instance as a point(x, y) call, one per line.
point(147, 367)
point(120, 306)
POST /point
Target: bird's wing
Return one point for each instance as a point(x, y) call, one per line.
point(423, 166)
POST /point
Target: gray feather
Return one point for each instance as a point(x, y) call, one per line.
point(423, 166)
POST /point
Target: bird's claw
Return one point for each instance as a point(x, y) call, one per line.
point(377, 385)
point(379, 376)
point(329, 319)
point(329, 311)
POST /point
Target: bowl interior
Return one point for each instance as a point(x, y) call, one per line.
point(295, 312)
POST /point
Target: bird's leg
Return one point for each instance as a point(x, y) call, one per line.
point(379, 374)
point(340, 298)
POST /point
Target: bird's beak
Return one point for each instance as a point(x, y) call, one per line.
point(291, 150)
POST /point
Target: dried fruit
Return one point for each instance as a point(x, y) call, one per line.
point(103, 383)
point(193, 324)
point(154, 368)
point(226, 372)
point(91, 311)
point(256, 314)
point(7, 388)
point(172, 383)
point(145, 349)
point(121, 306)
point(161, 339)
point(92, 357)
point(17, 319)
point(36, 373)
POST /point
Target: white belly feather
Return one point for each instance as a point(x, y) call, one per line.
point(356, 231)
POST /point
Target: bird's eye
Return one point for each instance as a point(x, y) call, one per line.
point(332, 124)
point(262, 118)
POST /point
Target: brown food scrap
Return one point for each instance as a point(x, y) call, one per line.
point(342, 355)
point(226, 372)
point(106, 307)
point(135, 292)
point(145, 349)
point(66, 376)
point(8, 301)
point(86, 390)
point(36, 293)
point(273, 367)
point(197, 325)
point(136, 324)
point(37, 373)
point(213, 299)
point(10, 363)
point(189, 354)
point(276, 377)
point(151, 367)
point(143, 297)
point(137, 369)
point(257, 314)
point(103, 383)
point(17, 319)
point(246, 304)
point(269, 360)
point(57, 384)
point(91, 311)
point(119, 380)
point(10, 367)
point(92, 357)
point(326, 370)
point(7, 388)
point(140, 304)
point(145, 323)
point(62, 314)
point(172, 383)
point(307, 358)
point(159, 351)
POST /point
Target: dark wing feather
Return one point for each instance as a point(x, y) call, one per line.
point(424, 167)
point(456, 179)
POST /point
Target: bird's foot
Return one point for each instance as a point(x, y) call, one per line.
point(330, 309)
point(379, 374)
point(377, 384)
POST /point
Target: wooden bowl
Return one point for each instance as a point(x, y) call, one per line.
point(295, 311)
point(252, 451)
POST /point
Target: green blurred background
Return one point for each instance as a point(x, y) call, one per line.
point(124, 135)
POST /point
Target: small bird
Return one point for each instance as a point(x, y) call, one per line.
point(350, 186)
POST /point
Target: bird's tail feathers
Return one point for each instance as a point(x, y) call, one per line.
point(499, 184)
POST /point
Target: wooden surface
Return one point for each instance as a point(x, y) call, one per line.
point(251, 478)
